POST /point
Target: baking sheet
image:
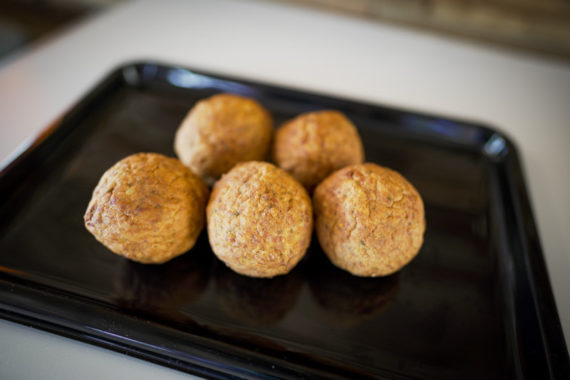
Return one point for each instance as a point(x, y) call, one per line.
point(475, 303)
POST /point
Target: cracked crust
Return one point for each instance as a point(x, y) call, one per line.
point(259, 220)
point(148, 208)
point(369, 219)
point(221, 131)
point(315, 144)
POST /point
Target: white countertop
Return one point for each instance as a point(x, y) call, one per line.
point(526, 97)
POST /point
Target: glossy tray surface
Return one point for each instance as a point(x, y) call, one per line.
point(475, 304)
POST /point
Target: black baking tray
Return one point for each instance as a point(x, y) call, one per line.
point(476, 303)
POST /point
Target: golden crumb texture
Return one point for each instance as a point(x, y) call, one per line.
point(221, 131)
point(315, 144)
point(259, 220)
point(148, 208)
point(369, 219)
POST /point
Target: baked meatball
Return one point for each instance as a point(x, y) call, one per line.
point(315, 144)
point(148, 208)
point(221, 131)
point(260, 220)
point(369, 219)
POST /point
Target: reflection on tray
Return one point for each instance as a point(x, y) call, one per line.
point(256, 301)
point(162, 288)
point(346, 299)
point(166, 289)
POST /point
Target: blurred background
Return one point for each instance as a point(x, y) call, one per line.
point(539, 27)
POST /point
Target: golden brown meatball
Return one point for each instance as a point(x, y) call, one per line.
point(148, 208)
point(315, 144)
point(221, 131)
point(369, 219)
point(259, 220)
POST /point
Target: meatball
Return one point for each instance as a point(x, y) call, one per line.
point(259, 220)
point(148, 208)
point(369, 219)
point(315, 144)
point(221, 131)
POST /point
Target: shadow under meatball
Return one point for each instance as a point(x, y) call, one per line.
point(164, 289)
point(256, 301)
point(346, 299)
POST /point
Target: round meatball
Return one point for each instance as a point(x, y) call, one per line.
point(369, 219)
point(260, 220)
point(315, 144)
point(148, 208)
point(221, 131)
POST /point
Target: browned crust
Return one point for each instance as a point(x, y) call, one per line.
point(259, 220)
point(148, 208)
point(369, 219)
point(314, 144)
point(221, 131)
